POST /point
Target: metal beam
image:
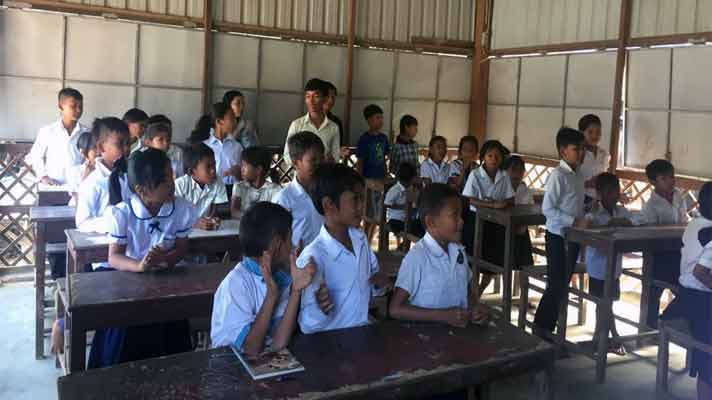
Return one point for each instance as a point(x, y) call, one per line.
point(623, 36)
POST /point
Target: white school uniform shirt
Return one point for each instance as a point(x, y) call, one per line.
point(238, 301)
point(346, 276)
point(396, 196)
point(250, 195)
point(480, 186)
point(131, 224)
point(228, 153)
point(563, 198)
point(93, 199)
point(328, 132)
point(74, 179)
point(306, 221)
point(436, 173)
point(55, 150)
point(434, 278)
point(658, 211)
point(693, 252)
point(595, 259)
point(201, 198)
point(593, 165)
point(522, 196)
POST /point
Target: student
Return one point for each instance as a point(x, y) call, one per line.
point(347, 269)
point(307, 152)
point(245, 131)
point(256, 305)
point(175, 153)
point(466, 162)
point(607, 213)
point(136, 119)
point(396, 198)
point(665, 206)
point(329, 107)
point(563, 208)
point(595, 158)
point(514, 165)
point(435, 168)
point(55, 149)
point(315, 93)
point(693, 301)
point(405, 148)
point(254, 186)
point(147, 232)
point(75, 176)
point(200, 185)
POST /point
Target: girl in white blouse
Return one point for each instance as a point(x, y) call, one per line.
point(596, 159)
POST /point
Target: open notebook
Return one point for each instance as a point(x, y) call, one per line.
point(269, 363)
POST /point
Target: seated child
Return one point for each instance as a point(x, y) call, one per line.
point(514, 165)
point(200, 186)
point(435, 282)
point(136, 119)
point(347, 269)
point(306, 151)
point(435, 168)
point(396, 198)
point(466, 162)
point(256, 305)
point(254, 186)
point(405, 148)
point(147, 232)
point(76, 175)
point(161, 139)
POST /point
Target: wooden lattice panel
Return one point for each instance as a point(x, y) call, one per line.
point(17, 195)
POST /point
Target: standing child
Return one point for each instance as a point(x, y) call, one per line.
point(347, 269)
point(435, 168)
point(595, 158)
point(466, 162)
point(307, 152)
point(405, 148)
point(256, 305)
point(200, 186)
point(514, 165)
point(136, 120)
point(147, 232)
point(563, 208)
point(254, 186)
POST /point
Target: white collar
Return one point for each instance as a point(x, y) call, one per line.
point(78, 127)
point(334, 248)
point(99, 166)
point(318, 128)
point(192, 184)
point(297, 186)
point(675, 197)
point(214, 139)
point(499, 175)
point(443, 163)
point(435, 249)
point(566, 167)
point(141, 212)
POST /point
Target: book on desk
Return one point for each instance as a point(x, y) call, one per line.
point(269, 363)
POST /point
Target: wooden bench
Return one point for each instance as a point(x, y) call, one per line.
point(673, 331)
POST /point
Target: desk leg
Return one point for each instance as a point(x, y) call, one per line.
point(477, 252)
point(39, 289)
point(78, 345)
point(507, 272)
point(646, 283)
point(543, 386)
point(604, 311)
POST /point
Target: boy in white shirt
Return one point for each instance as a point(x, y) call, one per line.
point(307, 152)
point(254, 186)
point(55, 149)
point(136, 120)
point(563, 208)
point(347, 269)
point(396, 198)
point(158, 135)
point(256, 305)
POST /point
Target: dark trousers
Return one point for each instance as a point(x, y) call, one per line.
point(666, 268)
point(560, 262)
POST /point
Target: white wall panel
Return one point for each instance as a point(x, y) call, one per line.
point(30, 44)
point(689, 139)
point(648, 78)
point(181, 106)
point(416, 75)
point(452, 121)
point(542, 81)
point(572, 116)
point(281, 65)
point(358, 122)
point(170, 56)
point(646, 137)
point(26, 105)
point(373, 73)
point(423, 112)
point(536, 130)
point(455, 74)
point(235, 61)
point(329, 63)
point(503, 76)
point(500, 124)
point(665, 17)
point(691, 82)
point(277, 110)
point(104, 100)
point(590, 80)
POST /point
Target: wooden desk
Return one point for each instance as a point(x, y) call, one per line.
point(511, 218)
point(49, 224)
point(387, 360)
point(614, 242)
point(52, 195)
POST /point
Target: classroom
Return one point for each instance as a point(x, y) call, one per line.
point(383, 199)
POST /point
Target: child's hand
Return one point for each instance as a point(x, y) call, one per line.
point(324, 299)
point(266, 269)
point(582, 223)
point(380, 281)
point(478, 314)
point(457, 317)
point(301, 277)
point(49, 181)
point(207, 224)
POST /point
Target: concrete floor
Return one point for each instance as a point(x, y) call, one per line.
point(631, 377)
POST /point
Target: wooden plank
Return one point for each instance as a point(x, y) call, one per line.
point(623, 36)
point(207, 54)
point(351, 37)
point(480, 72)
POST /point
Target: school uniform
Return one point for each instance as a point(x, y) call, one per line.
point(306, 221)
point(436, 173)
point(201, 198)
point(396, 196)
point(435, 278)
point(93, 199)
point(592, 166)
point(563, 203)
point(328, 132)
point(132, 225)
point(250, 195)
point(228, 153)
point(55, 150)
point(74, 176)
point(175, 154)
point(346, 276)
point(239, 299)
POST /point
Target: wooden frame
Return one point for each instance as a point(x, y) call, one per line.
point(480, 71)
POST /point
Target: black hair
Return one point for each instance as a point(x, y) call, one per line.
point(259, 225)
point(135, 115)
point(567, 136)
point(658, 167)
point(317, 85)
point(230, 95)
point(207, 121)
point(493, 145)
point(406, 172)
point(606, 181)
point(159, 118)
point(514, 161)
point(433, 198)
point(330, 86)
point(157, 129)
point(301, 142)
point(371, 110)
point(120, 169)
point(147, 168)
point(331, 181)
point(588, 120)
point(193, 154)
point(69, 92)
point(406, 121)
point(103, 127)
point(258, 156)
point(468, 139)
point(87, 141)
point(704, 200)
point(437, 138)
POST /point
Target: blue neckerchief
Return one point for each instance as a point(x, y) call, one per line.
point(280, 277)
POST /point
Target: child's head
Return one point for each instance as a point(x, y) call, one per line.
point(158, 136)
point(439, 208)
point(437, 149)
point(608, 188)
point(515, 170)
point(70, 103)
point(407, 173)
point(87, 144)
point(266, 227)
point(199, 162)
point(661, 175)
point(306, 150)
point(409, 126)
point(467, 149)
point(330, 98)
point(224, 118)
point(569, 144)
point(136, 119)
point(492, 154)
point(150, 176)
point(236, 101)
point(256, 161)
point(374, 117)
point(338, 194)
point(315, 93)
point(112, 141)
point(704, 200)
point(156, 118)
point(590, 126)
